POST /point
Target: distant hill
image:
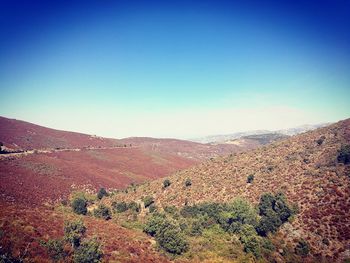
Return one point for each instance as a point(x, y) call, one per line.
point(229, 137)
point(304, 167)
point(17, 134)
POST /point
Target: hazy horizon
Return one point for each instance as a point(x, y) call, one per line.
point(176, 70)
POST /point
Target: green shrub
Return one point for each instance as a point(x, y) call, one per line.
point(101, 193)
point(320, 140)
point(155, 224)
point(344, 154)
point(250, 178)
point(166, 183)
point(55, 249)
point(250, 240)
point(88, 252)
point(152, 208)
point(103, 212)
point(188, 182)
point(73, 232)
point(274, 211)
point(269, 223)
point(172, 240)
point(79, 205)
point(120, 207)
point(302, 248)
point(170, 209)
point(133, 206)
point(148, 200)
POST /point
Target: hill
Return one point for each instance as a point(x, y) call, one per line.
point(304, 167)
point(222, 138)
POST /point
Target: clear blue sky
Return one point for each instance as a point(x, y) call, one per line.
point(174, 68)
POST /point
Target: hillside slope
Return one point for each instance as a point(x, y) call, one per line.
point(304, 167)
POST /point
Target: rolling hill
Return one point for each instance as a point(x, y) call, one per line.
point(304, 167)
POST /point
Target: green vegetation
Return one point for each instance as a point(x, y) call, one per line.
point(250, 178)
point(88, 252)
point(320, 140)
point(55, 249)
point(83, 251)
point(166, 183)
point(274, 211)
point(188, 182)
point(79, 205)
point(302, 248)
point(148, 200)
point(74, 232)
point(103, 212)
point(101, 193)
point(167, 234)
point(344, 154)
point(120, 207)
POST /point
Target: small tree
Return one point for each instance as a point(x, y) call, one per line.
point(166, 183)
point(120, 207)
point(148, 200)
point(89, 252)
point(103, 212)
point(188, 182)
point(344, 154)
point(250, 178)
point(79, 205)
point(302, 248)
point(73, 232)
point(55, 249)
point(133, 206)
point(101, 193)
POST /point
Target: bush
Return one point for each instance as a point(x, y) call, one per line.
point(89, 252)
point(103, 212)
point(73, 232)
point(172, 240)
point(155, 224)
point(120, 207)
point(320, 140)
point(302, 248)
point(250, 178)
point(274, 211)
point(152, 208)
point(250, 240)
point(166, 183)
point(188, 182)
point(170, 209)
point(133, 206)
point(344, 154)
point(55, 249)
point(79, 205)
point(101, 193)
point(148, 200)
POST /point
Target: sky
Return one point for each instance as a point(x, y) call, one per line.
point(181, 69)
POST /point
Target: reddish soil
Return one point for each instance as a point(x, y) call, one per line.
point(23, 228)
point(18, 134)
point(36, 178)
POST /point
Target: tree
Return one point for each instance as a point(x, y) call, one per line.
point(55, 249)
point(344, 154)
point(103, 212)
point(101, 193)
point(79, 205)
point(302, 248)
point(166, 183)
point(172, 240)
point(148, 200)
point(89, 252)
point(250, 178)
point(73, 232)
point(120, 207)
point(133, 206)
point(188, 182)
